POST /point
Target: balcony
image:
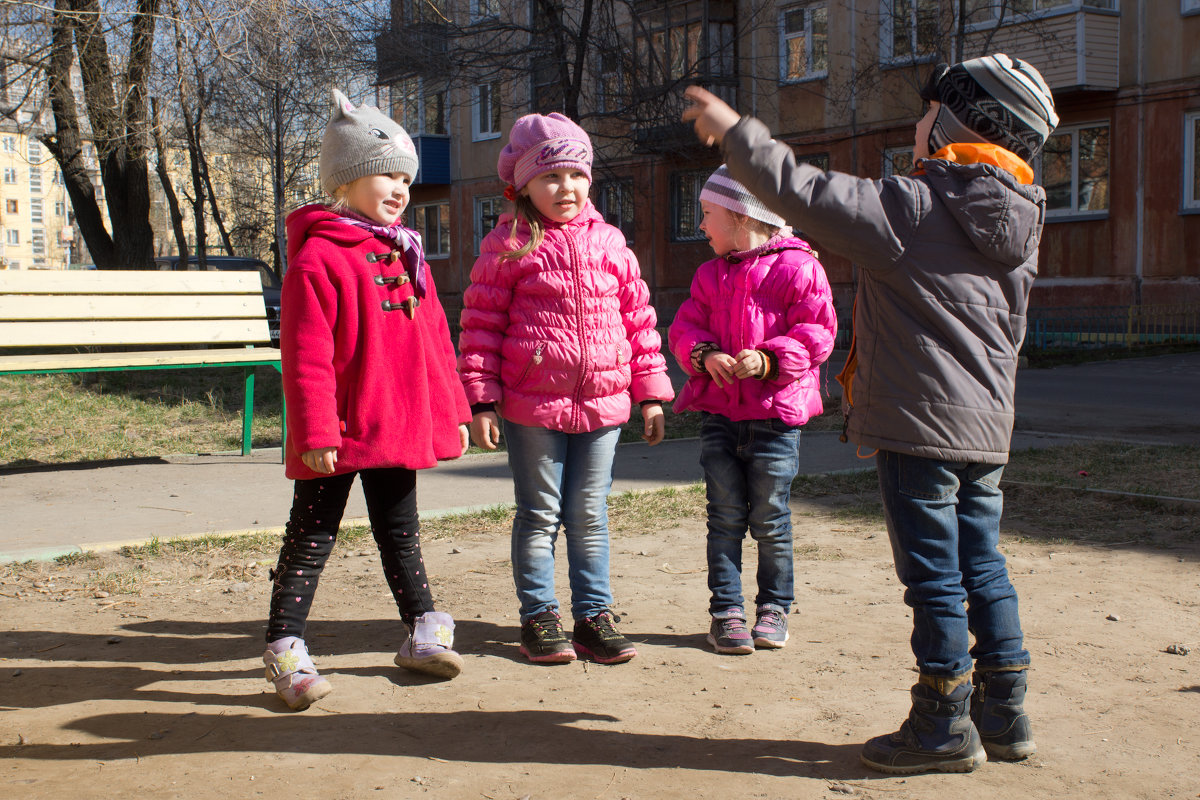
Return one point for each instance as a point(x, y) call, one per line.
point(1075, 49)
point(433, 160)
point(419, 49)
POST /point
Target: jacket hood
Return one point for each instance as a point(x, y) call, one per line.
point(783, 240)
point(318, 220)
point(988, 192)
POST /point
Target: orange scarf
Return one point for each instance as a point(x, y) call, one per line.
point(980, 153)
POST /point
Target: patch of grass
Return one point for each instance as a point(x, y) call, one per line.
point(111, 415)
point(82, 558)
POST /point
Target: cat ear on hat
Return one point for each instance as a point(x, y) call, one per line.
point(341, 104)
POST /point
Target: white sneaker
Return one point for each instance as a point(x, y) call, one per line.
point(430, 647)
point(291, 670)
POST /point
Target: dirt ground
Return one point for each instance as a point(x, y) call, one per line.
point(160, 695)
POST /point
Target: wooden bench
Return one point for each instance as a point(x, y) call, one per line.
point(118, 321)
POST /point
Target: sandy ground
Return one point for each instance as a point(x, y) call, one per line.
point(160, 695)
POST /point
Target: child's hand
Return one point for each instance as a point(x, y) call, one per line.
point(712, 115)
point(720, 366)
point(321, 460)
point(750, 364)
point(485, 430)
point(655, 423)
point(464, 439)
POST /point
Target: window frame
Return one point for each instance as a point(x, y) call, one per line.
point(13, 237)
point(10, 175)
point(1014, 16)
point(1190, 195)
point(784, 37)
point(624, 216)
point(887, 20)
point(478, 134)
point(1189, 8)
point(1074, 213)
point(495, 203)
point(433, 249)
point(887, 166)
point(697, 177)
point(416, 97)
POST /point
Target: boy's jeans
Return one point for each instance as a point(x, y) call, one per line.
point(748, 472)
point(944, 522)
point(561, 479)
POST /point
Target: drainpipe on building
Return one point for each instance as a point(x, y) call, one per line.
point(1140, 198)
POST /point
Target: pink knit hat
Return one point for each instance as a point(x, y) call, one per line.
point(539, 144)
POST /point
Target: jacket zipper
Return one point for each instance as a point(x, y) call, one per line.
point(577, 285)
point(536, 358)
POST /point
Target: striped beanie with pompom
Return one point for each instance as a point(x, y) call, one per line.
point(722, 190)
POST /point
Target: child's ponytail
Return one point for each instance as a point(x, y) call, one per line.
point(525, 211)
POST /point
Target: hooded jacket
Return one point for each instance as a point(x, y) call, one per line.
point(775, 298)
point(947, 256)
point(564, 337)
point(379, 386)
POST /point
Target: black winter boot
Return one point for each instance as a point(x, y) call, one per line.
point(998, 711)
point(938, 736)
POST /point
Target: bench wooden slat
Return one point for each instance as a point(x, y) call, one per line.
point(86, 333)
point(27, 308)
point(180, 314)
point(82, 362)
point(138, 282)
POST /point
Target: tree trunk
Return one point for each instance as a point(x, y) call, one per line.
point(164, 178)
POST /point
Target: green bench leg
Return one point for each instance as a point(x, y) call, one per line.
point(248, 411)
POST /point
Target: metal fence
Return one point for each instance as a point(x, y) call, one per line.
point(1113, 326)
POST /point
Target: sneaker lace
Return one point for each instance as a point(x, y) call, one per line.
point(770, 619)
point(544, 626)
point(603, 623)
point(734, 625)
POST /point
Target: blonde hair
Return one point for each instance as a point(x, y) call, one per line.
point(749, 224)
point(339, 204)
point(524, 211)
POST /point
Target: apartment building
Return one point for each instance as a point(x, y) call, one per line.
point(35, 223)
point(837, 80)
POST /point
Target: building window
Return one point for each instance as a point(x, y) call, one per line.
point(34, 150)
point(614, 200)
point(13, 236)
point(10, 175)
point(677, 45)
point(485, 111)
point(11, 206)
point(35, 211)
point(612, 82)
point(910, 30)
point(38, 242)
point(1191, 160)
point(60, 209)
point(431, 11)
point(818, 160)
point(686, 215)
point(1189, 6)
point(35, 179)
point(419, 108)
point(433, 223)
point(804, 43)
point(1074, 170)
point(482, 10)
point(990, 11)
point(9, 144)
point(897, 161)
point(487, 212)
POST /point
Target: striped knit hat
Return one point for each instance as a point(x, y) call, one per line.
point(724, 191)
point(993, 99)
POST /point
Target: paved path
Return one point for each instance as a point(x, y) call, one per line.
point(54, 510)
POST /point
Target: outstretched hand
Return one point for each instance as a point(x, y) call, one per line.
point(713, 117)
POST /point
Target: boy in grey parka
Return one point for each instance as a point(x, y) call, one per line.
point(947, 256)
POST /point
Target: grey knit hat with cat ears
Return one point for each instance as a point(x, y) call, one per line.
point(361, 141)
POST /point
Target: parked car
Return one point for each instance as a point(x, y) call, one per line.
point(272, 288)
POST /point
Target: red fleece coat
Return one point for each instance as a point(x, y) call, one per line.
point(378, 386)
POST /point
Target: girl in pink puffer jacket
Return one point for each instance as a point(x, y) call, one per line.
point(758, 324)
point(559, 339)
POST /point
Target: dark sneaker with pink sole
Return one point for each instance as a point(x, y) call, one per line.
point(596, 638)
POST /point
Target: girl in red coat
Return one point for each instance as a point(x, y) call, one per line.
point(371, 389)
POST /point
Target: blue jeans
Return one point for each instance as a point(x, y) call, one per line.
point(561, 480)
point(943, 519)
point(748, 472)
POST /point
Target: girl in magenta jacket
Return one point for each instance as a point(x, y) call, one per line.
point(751, 337)
point(558, 339)
point(371, 390)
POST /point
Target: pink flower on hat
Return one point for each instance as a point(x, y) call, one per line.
point(539, 143)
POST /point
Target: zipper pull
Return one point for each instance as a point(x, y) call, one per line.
point(537, 353)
